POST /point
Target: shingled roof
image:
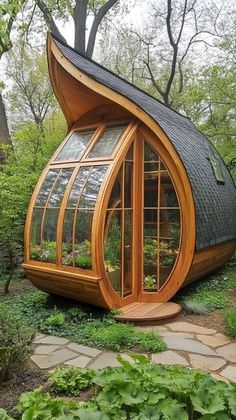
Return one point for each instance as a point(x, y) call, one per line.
point(215, 203)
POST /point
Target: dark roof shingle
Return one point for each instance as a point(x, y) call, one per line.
point(215, 204)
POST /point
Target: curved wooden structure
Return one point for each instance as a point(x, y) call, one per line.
point(134, 204)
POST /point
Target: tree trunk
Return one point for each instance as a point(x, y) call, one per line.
point(4, 131)
point(12, 268)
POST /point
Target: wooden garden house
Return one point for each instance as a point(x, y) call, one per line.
point(134, 204)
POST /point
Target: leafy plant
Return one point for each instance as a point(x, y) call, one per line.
point(49, 251)
point(71, 380)
point(150, 251)
point(83, 261)
point(144, 390)
point(15, 339)
point(196, 306)
point(4, 415)
point(39, 405)
point(150, 281)
point(230, 321)
point(137, 390)
point(167, 257)
point(56, 320)
point(76, 313)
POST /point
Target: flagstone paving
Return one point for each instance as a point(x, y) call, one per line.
point(188, 345)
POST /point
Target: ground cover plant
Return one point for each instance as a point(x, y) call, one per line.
point(138, 390)
point(85, 325)
point(208, 294)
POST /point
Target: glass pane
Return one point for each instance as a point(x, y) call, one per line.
point(112, 248)
point(67, 238)
point(60, 187)
point(46, 187)
point(150, 250)
point(49, 235)
point(75, 146)
point(115, 197)
point(92, 187)
point(78, 186)
point(169, 242)
point(82, 248)
point(150, 223)
point(168, 195)
point(35, 235)
point(149, 154)
point(170, 227)
point(128, 232)
point(128, 187)
point(106, 144)
point(130, 153)
point(151, 185)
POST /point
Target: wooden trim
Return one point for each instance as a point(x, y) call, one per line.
point(54, 78)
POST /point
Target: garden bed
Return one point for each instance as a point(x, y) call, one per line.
point(50, 314)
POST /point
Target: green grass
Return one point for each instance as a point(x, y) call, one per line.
point(230, 321)
point(81, 323)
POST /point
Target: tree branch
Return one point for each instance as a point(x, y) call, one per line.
point(80, 16)
point(49, 19)
point(97, 20)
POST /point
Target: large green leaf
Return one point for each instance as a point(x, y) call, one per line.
point(172, 409)
point(217, 416)
point(207, 401)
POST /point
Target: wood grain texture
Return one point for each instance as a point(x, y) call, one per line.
point(140, 311)
point(209, 260)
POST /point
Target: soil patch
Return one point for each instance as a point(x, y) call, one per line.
point(212, 320)
point(28, 378)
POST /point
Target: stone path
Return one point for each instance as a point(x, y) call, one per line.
point(188, 345)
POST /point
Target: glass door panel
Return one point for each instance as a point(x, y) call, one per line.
point(113, 248)
point(118, 234)
point(161, 222)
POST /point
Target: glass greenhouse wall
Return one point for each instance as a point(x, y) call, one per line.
point(63, 212)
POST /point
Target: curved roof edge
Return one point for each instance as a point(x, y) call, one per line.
point(215, 203)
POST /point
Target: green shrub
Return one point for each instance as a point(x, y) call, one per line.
point(230, 321)
point(71, 380)
point(15, 340)
point(195, 306)
point(117, 336)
